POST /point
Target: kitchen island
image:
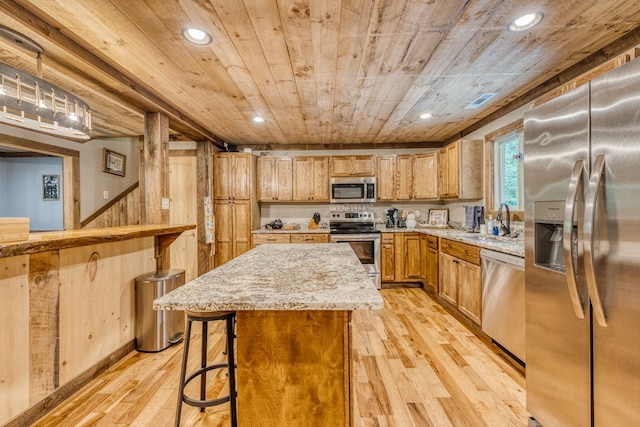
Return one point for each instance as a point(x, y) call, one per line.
point(293, 305)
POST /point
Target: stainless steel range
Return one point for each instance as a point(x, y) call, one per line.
point(358, 229)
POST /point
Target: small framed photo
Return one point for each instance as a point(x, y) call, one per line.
point(438, 217)
point(50, 187)
point(113, 162)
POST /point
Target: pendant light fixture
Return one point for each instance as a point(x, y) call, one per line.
point(30, 102)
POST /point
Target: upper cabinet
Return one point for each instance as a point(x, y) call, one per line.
point(275, 178)
point(395, 177)
point(407, 176)
point(233, 176)
point(311, 178)
point(460, 170)
point(425, 176)
point(352, 166)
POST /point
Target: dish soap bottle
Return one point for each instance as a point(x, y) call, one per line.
point(490, 225)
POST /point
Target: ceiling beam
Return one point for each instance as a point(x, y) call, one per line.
point(37, 24)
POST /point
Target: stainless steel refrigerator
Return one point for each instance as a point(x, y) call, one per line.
point(582, 254)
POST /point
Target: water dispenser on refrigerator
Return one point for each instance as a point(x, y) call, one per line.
point(548, 236)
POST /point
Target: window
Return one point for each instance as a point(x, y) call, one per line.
point(508, 180)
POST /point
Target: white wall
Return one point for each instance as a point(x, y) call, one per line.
point(21, 191)
point(93, 182)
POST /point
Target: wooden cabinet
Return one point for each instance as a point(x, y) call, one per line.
point(394, 177)
point(448, 282)
point(310, 238)
point(425, 176)
point(352, 166)
point(461, 278)
point(274, 175)
point(235, 208)
point(385, 181)
point(412, 256)
point(387, 257)
point(233, 176)
point(460, 170)
point(408, 257)
point(311, 178)
point(233, 229)
point(431, 263)
point(261, 238)
point(470, 290)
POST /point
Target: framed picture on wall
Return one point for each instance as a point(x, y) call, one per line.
point(113, 162)
point(50, 187)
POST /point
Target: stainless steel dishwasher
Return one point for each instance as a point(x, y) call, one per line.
point(503, 300)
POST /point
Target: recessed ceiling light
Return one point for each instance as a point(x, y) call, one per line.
point(525, 22)
point(258, 119)
point(196, 35)
point(425, 116)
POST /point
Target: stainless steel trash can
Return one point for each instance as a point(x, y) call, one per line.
point(157, 329)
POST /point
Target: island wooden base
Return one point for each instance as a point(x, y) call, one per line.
point(294, 368)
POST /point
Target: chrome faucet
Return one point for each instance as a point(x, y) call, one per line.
point(506, 229)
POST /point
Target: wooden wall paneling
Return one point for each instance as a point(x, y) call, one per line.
point(44, 287)
point(183, 190)
point(97, 316)
point(71, 192)
point(14, 336)
point(125, 211)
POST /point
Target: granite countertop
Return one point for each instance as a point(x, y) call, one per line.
point(501, 244)
point(314, 276)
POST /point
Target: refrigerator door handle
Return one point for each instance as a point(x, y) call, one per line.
point(589, 222)
point(575, 193)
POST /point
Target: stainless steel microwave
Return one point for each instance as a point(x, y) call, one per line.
point(353, 190)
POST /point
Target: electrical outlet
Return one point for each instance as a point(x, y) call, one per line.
point(165, 203)
point(105, 194)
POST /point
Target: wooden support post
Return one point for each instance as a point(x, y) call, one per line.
point(154, 175)
point(205, 152)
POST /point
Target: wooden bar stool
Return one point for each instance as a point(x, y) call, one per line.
point(203, 402)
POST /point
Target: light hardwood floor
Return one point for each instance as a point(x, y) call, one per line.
point(413, 365)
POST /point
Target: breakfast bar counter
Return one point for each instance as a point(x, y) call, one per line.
point(293, 305)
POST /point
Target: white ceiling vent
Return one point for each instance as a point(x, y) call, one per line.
point(479, 101)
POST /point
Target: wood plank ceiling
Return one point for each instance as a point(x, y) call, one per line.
point(324, 73)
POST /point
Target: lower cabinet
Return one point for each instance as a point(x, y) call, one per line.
point(310, 238)
point(431, 263)
point(233, 229)
point(387, 257)
point(412, 256)
point(261, 238)
point(460, 281)
point(402, 257)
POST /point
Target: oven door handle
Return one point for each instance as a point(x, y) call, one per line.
point(354, 237)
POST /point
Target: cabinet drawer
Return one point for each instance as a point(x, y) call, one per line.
point(461, 251)
point(432, 242)
point(310, 238)
point(259, 239)
point(386, 238)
